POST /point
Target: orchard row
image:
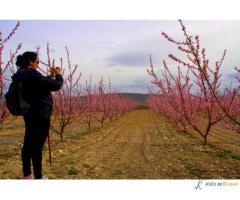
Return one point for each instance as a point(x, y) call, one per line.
point(194, 98)
point(85, 103)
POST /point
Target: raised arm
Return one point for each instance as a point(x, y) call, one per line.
point(48, 83)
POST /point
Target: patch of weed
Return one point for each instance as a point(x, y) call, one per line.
point(73, 171)
point(223, 154)
point(118, 172)
point(86, 165)
point(194, 171)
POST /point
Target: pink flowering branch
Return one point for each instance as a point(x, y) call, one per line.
point(103, 105)
point(4, 113)
point(64, 99)
point(90, 104)
point(180, 104)
point(176, 91)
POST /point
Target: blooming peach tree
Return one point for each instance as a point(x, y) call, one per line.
point(192, 99)
point(5, 68)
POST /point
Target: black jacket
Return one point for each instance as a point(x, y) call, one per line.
point(36, 90)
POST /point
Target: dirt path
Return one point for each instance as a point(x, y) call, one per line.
point(141, 145)
point(144, 145)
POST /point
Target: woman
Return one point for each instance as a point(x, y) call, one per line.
point(36, 90)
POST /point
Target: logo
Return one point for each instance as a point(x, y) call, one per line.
point(215, 184)
point(198, 187)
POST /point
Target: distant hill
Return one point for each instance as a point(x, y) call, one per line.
point(140, 99)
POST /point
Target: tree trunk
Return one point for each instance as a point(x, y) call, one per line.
point(61, 136)
point(205, 140)
point(89, 127)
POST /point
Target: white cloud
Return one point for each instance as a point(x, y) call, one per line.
point(92, 43)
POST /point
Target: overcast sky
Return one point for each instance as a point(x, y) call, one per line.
point(120, 49)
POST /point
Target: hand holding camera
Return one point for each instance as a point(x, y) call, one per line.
point(55, 71)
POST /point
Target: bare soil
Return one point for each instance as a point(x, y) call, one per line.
point(140, 145)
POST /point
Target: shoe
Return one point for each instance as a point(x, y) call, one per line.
point(44, 178)
point(29, 177)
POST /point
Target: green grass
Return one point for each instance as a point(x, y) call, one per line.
point(237, 157)
point(87, 166)
point(223, 154)
point(118, 172)
point(73, 171)
point(193, 171)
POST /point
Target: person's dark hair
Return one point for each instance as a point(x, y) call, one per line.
point(23, 60)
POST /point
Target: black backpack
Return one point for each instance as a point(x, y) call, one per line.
point(15, 102)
